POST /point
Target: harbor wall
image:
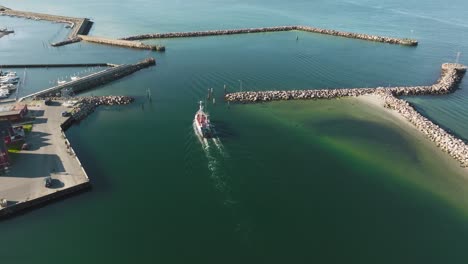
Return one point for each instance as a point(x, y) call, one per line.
point(383, 39)
point(21, 206)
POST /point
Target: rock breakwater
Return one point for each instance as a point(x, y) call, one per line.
point(86, 105)
point(450, 77)
point(447, 142)
point(390, 40)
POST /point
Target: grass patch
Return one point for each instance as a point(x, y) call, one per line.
point(27, 128)
point(15, 147)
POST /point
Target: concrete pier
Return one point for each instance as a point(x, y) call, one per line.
point(390, 40)
point(121, 43)
point(95, 79)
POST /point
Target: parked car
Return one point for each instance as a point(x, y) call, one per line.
point(48, 181)
point(65, 113)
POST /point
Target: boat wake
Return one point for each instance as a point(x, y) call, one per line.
point(215, 154)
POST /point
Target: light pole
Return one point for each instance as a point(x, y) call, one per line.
point(240, 85)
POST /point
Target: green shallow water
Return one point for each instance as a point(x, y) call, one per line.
point(301, 182)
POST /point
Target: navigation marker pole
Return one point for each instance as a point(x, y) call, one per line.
point(458, 57)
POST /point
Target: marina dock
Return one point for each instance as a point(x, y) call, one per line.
point(95, 79)
point(383, 39)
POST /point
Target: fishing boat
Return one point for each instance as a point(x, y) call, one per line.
point(202, 123)
point(9, 86)
point(9, 80)
point(7, 74)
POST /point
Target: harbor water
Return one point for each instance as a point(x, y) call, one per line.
point(328, 181)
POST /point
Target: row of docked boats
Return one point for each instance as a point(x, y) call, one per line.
point(72, 78)
point(8, 82)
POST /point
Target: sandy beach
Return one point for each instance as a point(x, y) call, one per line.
point(393, 118)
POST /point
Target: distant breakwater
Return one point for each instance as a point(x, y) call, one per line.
point(390, 40)
point(451, 75)
point(81, 26)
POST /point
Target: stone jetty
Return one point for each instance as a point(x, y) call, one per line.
point(86, 105)
point(450, 77)
point(390, 40)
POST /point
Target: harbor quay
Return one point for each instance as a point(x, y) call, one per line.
point(49, 169)
point(448, 82)
point(49, 155)
point(383, 39)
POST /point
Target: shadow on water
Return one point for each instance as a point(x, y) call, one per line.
point(224, 130)
point(364, 131)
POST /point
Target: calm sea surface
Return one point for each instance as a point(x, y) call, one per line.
point(286, 182)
